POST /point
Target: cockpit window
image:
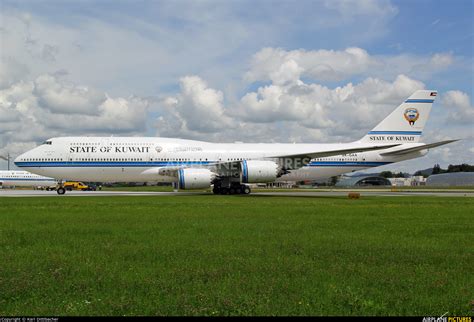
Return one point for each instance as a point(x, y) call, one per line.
point(47, 142)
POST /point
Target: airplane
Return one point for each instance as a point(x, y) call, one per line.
point(25, 179)
point(229, 167)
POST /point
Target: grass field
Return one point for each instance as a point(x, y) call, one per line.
point(236, 255)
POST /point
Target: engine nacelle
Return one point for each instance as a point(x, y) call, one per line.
point(195, 178)
point(255, 171)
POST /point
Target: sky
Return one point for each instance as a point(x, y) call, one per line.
point(226, 71)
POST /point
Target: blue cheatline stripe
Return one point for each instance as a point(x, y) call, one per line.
point(74, 164)
point(245, 178)
point(419, 101)
point(396, 132)
point(181, 179)
point(347, 163)
point(19, 179)
point(79, 164)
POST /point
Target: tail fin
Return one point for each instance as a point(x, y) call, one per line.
point(405, 124)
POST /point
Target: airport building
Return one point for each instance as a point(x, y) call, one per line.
point(381, 181)
point(408, 182)
point(363, 181)
point(452, 179)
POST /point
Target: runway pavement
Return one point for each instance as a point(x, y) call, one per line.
point(42, 193)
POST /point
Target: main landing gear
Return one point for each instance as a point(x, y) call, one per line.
point(235, 189)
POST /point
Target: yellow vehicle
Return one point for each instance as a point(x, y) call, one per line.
point(73, 185)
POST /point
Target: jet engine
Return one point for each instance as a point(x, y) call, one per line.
point(256, 171)
point(195, 178)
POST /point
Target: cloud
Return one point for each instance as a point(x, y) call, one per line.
point(14, 149)
point(316, 106)
point(288, 112)
point(459, 106)
point(300, 102)
point(197, 108)
point(352, 8)
point(11, 71)
point(124, 114)
point(279, 66)
point(67, 99)
point(301, 112)
point(49, 53)
point(31, 111)
point(121, 48)
point(443, 153)
point(317, 64)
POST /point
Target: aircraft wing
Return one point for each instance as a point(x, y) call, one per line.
point(310, 155)
point(328, 153)
point(173, 169)
point(417, 148)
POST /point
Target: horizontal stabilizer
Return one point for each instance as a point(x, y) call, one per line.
point(328, 153)
point(417, 148)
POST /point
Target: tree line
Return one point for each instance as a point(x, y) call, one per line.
point(451, 168)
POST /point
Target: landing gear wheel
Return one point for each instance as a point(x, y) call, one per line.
point(225, 191)
point(61, 191)
point(245, 189)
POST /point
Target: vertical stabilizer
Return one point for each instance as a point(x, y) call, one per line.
point(406, 123)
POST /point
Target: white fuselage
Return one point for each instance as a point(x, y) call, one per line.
point(139, 159)
point(25, 179)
